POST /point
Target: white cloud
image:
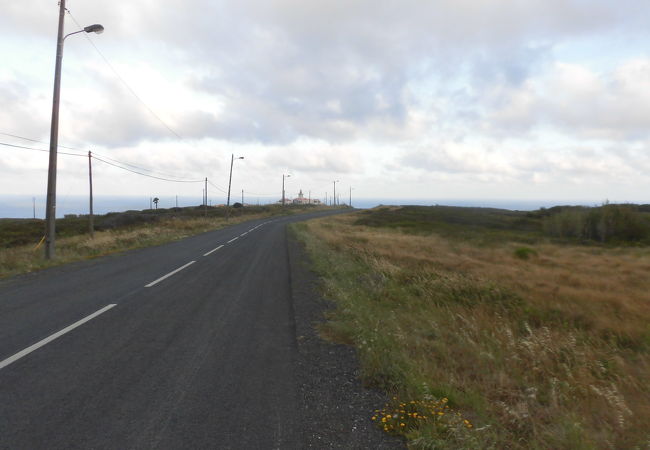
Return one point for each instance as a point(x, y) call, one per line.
point(462, 92)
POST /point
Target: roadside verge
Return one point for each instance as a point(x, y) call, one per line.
point(336, 408)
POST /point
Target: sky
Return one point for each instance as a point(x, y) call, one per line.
point(408, 99)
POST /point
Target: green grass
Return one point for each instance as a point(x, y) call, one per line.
point(537, 347)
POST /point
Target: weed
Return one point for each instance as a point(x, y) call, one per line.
point(548, 354)
point(524, 252)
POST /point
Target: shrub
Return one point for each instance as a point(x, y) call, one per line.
point(525, 252)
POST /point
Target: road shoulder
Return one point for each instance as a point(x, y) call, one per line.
point(336, 408)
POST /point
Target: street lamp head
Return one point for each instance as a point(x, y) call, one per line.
point(96, 28)
point(241, 157)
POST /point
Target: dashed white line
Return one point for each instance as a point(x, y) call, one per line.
point(49, 339)
point(243, 234)
point(232, 240)
point(213, 250)
point(169, 274)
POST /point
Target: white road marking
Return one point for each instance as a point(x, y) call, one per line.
point(153, 283)
point(213, 250)
point(232, 240)
point(243, 234)
point(56, 335)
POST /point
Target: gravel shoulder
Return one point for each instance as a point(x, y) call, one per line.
point(336, 408)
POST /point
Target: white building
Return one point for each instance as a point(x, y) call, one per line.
point(301, 200)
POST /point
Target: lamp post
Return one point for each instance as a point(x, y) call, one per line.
point(283, 197)
point(50, 210)
point(335, 181)
point(232, 160)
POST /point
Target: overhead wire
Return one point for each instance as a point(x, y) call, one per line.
point(145, 174)
point(39, 149)
point(135, 166)
point(131, 90)
point(37, 141)
point(74, 154)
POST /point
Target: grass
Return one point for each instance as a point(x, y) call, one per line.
point(117, 232)
point(538, 344)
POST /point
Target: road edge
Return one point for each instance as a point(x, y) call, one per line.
point(336, 408)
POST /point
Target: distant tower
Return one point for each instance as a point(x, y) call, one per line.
point(300, 195)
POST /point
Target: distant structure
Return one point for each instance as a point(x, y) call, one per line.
point(302, 200)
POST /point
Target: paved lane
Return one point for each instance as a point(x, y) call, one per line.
point(203, 358)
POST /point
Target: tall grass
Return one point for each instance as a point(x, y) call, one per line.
point(552, 351)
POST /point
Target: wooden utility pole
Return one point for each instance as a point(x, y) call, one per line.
point(91, 219)
point(242, 198)
point(50, 209)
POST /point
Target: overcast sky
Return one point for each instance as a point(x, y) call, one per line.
point(498, 99)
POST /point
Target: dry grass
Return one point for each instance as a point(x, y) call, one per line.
point(546, 352)
point(26, 258)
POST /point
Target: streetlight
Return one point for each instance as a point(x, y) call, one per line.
point(232, 160)
point(335, 181)
point(50, 210)
point(283, 177)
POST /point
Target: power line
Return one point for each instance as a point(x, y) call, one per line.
point(124, 81)
point(135, 167)
point(72, 148)
point(146, 175)
point(37, 141)
point(216, 187)
point(38, 149)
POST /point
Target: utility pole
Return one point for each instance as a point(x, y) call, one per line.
point(310, 197)
point(91, 219)
point(232, 160)
point(350, 204)
point(242, 198)
point(325, 198)
point(50, 210)
point(335, 193)
point(34, 206)
point(205, 200)
point(283, 197)
point(177, 201)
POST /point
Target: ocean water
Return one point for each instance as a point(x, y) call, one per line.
point(24, 206)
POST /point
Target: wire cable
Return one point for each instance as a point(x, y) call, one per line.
point(73, 154)
point(124, 81)
point(37, 141)
point(146, 175)
point(216, 187)
point(39, 149)
point(135, 166)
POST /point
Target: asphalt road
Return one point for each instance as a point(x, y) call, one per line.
point(128, 351)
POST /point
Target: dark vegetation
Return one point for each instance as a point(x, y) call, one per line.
point(16, 232)
point(610, 223)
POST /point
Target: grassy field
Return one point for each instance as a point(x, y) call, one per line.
point(491, 330)
point(115, 232)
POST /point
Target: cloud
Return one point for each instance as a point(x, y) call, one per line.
point(316, 157)
point(576, 100)
point(22, 111)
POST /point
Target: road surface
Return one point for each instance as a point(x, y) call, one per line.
point(186, 345)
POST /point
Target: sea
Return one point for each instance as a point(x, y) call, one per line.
point(25, 206)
